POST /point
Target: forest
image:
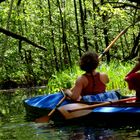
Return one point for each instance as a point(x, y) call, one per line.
point(41, 37)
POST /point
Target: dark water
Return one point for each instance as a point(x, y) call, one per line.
point(13, 125)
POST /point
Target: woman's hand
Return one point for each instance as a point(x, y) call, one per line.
point(68, 93)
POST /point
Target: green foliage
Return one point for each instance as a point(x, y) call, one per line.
point(115, 70)
point(64, 79)
point(53, 25)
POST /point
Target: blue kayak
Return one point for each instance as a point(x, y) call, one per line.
point(41, 105)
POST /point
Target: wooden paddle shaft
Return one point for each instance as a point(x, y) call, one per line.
point(57, 105)
point(46, 118)
point(103, 104)
point(112, 43)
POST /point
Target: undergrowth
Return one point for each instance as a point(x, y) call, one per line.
point(115, 70)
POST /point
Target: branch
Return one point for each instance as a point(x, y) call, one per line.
point(21, 38)
point(2, 1)
point(126, 5)
point(122, 5)
point(137, 1)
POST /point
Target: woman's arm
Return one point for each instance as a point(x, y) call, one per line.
point(75, 92)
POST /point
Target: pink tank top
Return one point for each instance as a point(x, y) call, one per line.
point(95, 85)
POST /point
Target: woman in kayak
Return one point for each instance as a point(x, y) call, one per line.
point(91, 82)
point(133, 79)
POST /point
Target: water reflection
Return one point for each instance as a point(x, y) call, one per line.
point(86, 133)
point(13, 125)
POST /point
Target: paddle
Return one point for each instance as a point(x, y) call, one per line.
point(46, 118)
point(75, 110)
point(114, 40)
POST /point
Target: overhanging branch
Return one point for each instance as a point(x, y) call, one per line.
point(122, 5)
point(21, 38)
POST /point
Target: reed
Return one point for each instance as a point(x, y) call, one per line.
point(115, 70)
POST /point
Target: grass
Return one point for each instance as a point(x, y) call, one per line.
point(115, 70)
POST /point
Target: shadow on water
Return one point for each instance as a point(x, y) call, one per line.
point(13, 125)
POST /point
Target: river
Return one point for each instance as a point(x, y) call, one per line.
point(13, 125)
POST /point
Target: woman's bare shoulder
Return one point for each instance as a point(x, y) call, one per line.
point(104, 77)
point(82, 80)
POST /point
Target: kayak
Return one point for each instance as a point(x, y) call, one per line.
point(42, 104)
point(95, 114)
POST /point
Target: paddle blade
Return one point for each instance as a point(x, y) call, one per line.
point(70, 115)
point(67, 112)
point(42, 119)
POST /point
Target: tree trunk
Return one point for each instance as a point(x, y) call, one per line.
point(64, 37)
point(95, 28)
point(77, 28)
point(4, 47)
point(83, 25)
point(52, 38)
point(105, 31)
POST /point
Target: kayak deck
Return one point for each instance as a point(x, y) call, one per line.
point(117, 109)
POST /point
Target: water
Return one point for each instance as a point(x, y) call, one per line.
point(13, 125)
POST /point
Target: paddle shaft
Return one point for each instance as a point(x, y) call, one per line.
point(103, 104)
point(112, 43)
point(118, 36)
point(59, 103)
point(47, 117)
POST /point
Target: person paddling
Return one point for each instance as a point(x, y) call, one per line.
point(91, 82)
point(133, 79)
